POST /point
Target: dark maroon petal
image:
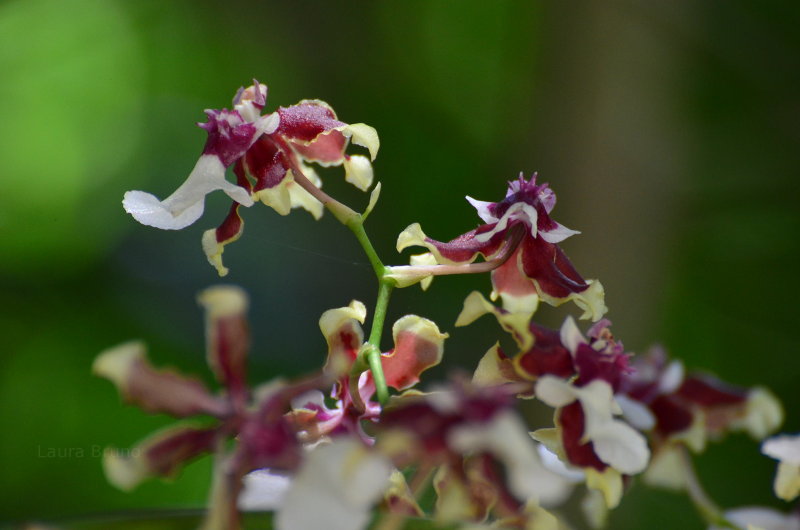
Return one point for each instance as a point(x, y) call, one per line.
point(547, 356)
point(707, 392)
point(672, 416)
point(465, 247)
point(227, 338)
point(229, 136)
point(163, 455)
point(592, 365)
point(271, 444)
point(231, 227)
point(307, 120)
point(265, 163)
point(157, 391)
point(549, 266)
point(580, 454)
point(182, 445)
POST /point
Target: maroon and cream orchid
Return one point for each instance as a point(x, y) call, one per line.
point(268, 155)
point(693, 408)
point(487, 462)
point(265, 436)
point(418, 345)
point(536, 270)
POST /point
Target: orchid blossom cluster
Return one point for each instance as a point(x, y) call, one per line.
point(335, 448)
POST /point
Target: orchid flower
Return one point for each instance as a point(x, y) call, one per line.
point(265, 437)
point(537, 270)
point(268, 155)
point(418, 345)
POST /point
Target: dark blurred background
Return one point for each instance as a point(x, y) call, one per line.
point(669, 131)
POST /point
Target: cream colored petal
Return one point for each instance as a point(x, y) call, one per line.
point(365, 136)
point(608, 482)
point(763, 414)
point(666, 469)
point(373, 200)
point(358, 171)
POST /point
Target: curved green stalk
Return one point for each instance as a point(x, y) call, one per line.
point(355, 222)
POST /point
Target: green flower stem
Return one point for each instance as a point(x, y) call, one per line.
point(355, 222)
point(373, 354)
point(705, 506)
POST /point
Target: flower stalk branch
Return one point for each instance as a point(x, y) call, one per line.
point(355, 222)
point(705, 506)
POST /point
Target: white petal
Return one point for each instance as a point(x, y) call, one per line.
point(518, 211)
point(507, 439)
point(483, 209)
point(636, 413)
point(335, 488)
point(571, 337)
point(762, 517)
point(148, 210)
point(785, 448)
point(263, 491)
point(620, 446)
point(185, 205)
point(558, 234)
point(554, 391)
point(672, 378)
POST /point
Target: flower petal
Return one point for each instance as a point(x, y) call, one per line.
point(342, 330)
point(516, 291)
point(227, 337)
point(215, 240)
point(155, 390)
point(761, 518)
point(365, 136)
point(418, 345)
point(483, 209)
point(299, 197)
point(263, 491)
point(358, 171)
point(463, 249)
point(475, 306)
point(186, 204)
point(505, 437)
point(162, 454)
point(785, 448)
point(495, 368)
point(335, 488)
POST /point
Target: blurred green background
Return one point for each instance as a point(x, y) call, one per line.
point(668, 130)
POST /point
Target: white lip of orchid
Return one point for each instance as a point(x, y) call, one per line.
point(186, 204)
point(615, 442)
point(518, 211)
